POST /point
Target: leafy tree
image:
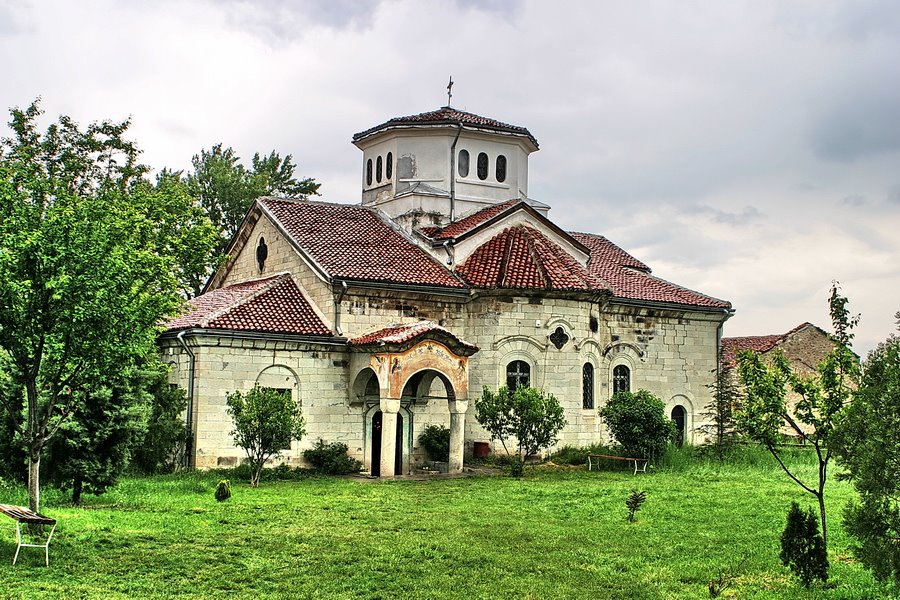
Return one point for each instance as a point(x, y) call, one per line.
point(167, 441)
point(265, 422)
point(226, 189)
point(802, 548)
point(94, 446)
point(866, 445)
point(821, 398)
point(532, 416)
point(184, 230)
point(85, 276)
point(720, 427)
point(638, 423)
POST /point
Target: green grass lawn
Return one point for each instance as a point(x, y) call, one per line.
point(553, 534)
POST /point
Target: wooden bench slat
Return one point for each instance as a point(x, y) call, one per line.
point(23, 515)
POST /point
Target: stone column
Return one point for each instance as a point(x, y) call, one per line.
point(389, 410)
point(458, 410)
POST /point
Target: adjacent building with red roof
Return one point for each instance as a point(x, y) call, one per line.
point(392, 314)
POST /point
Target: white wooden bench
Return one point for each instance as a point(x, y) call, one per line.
point(640, 464)
point(21, 515)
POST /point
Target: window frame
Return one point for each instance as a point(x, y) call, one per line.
point(618, 377)
point(500, 173)
point(518, 375)
point(588, 380)
point(482, 166)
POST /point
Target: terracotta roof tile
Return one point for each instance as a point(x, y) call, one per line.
point(629, 278)
point(273, 305)
point(397, 334)
point(448, 116)
point(731, 346)
point(521, 257)
point(354, 242)
point(458, 228)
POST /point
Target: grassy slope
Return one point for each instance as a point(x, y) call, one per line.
point(553, 534)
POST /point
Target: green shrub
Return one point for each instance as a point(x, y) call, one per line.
point(436, 442)
point(331, 459)
point(638, 423)
point(577, 455)
point(802, 548)
point(223, 490)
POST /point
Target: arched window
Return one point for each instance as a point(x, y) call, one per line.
point(621, 379)
point(369, 172)
point(378, 170)
point(482, 166)
point(501, 168)
point(389, 165)
point(463, 163)
point(587, 386)
point(518, 372)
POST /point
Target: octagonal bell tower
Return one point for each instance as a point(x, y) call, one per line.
point(433, 168)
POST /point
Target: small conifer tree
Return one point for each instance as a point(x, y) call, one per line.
point(223, 490)
point(634, 501)
point(802, 548)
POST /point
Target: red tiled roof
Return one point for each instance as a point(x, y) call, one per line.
point(448, 116)
point(757, 343)
point(398, 334)
point(353, 242)
point(521, 257)
point(274, 305)
point(465, 224)
point(629, 278)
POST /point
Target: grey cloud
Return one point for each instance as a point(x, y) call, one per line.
point(747, 216)
point(11, 20)
point(893, 194)
point(854, 200)
point(509, 8)
point(863, 126)
point(863, 19)
point(285, 20)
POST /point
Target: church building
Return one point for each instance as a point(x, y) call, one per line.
point(383, 317)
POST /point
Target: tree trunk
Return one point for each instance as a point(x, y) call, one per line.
point(821, 498)
point(34, 480)
point(77, 487)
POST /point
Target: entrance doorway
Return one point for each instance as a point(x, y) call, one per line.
point(375, 468)
point(679, 415)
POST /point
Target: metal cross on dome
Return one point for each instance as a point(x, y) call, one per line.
point(449, 90)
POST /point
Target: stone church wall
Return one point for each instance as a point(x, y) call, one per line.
point(317, 379)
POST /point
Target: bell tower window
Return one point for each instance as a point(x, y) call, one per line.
point(389, 166)
point(501, 168)
point(463, 166)
point(482, 166)
point(378, 170)
point(369, 172)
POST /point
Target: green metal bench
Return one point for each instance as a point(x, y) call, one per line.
point(21, 515)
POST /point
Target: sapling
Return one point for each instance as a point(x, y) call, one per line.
point(634, 501)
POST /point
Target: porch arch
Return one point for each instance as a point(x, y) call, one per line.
point(415, 356)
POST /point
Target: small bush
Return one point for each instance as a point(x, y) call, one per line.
point(436, 442)
point(223, 490)
point(802, 548)
point(638, 423)
point(577, 455)
point(331, 458)
point(634, 502)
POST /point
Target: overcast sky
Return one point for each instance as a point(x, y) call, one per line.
point(749, 150)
